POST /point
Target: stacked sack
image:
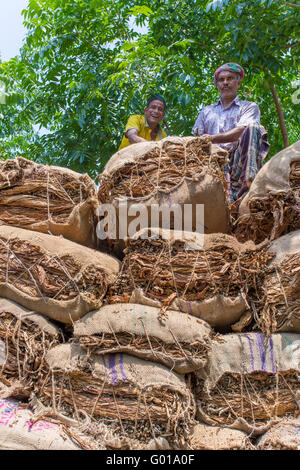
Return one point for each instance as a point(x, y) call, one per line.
point(50, 272)
point(48, 199)
point(173, 171)
point(271, 208)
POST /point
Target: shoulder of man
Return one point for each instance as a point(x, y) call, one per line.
point(206, 109)
point(135, 121)
point(247, 103)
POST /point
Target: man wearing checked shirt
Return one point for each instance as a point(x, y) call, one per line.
point(235, 125)
point(140, 128)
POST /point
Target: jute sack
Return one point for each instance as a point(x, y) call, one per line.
point(170, 172)
point(281, 303)
point(271, 208)
point(146, 399)
point(176, 340)
point(204, 437)
point(212, 277)
point(250, 381)
point(25, 337)
point(51, 275)
point(17, 432)
point(48, 199)
point(282, 436)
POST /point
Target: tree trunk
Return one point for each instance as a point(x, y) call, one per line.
point(280, 116)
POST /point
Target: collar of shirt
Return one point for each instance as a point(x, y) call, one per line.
point(236, 101)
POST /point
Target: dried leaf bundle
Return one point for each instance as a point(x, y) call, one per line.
point(162, 168)
point(33, 272)
point(31, 193)
point(143, 398)
point(51, 275)
point(250, 377)
point(281, 304)
point(257, 397)
point(163, 269)
point(273, 215)
point(26, 338)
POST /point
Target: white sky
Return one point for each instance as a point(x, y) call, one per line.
point(12, 31)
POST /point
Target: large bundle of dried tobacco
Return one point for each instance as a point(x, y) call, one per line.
point(176, 340)
point(175, 170)
point(272, 206)
point(48, 199)
point(25, 338)
point(144, 398)
point(215, 280)
point(52, 275)
point(250, 381)
point(281, 304)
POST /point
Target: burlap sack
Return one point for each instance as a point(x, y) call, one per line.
point(205, 437)
point(119, 387)
point(175, 170)
point(25, 338)
point(212, 277)
point(48, 199)
point(51, 275)
point(271, 208)
point(281, 305)
point(282, 436)
point(250, 380)
point(18, 433)
point(175, 340)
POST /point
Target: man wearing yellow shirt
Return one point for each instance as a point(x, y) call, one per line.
point(140, 128)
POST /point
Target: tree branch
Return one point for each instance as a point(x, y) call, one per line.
point(207, 46)
point(88, 42)
point(289, 46)
point(289, 4)
point(280, 115)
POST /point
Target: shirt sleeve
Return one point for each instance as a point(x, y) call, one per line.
point(199, 124)
point(133, 123)
point(249, 115)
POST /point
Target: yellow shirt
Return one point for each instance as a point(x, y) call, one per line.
point(138, 121)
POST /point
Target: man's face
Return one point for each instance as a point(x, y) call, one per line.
point(155, 112)
point(228, 84)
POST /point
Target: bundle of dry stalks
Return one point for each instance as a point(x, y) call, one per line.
point(26, 338)
point(257, 397)
point(145, 399)
point(281, 305)
point(163, 167)
point(270, 217)
point(47, 199)
point(250, 380)
point(165, 269)
point(272, 207)
point(51, 275)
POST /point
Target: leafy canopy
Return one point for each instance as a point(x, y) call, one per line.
point(86, 65)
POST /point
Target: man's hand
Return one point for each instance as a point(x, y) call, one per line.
point(230, 136)
point(210, 137)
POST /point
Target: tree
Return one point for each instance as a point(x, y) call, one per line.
point(84, 69)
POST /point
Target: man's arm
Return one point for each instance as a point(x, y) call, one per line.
point(230, 136)
point(133, 137)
